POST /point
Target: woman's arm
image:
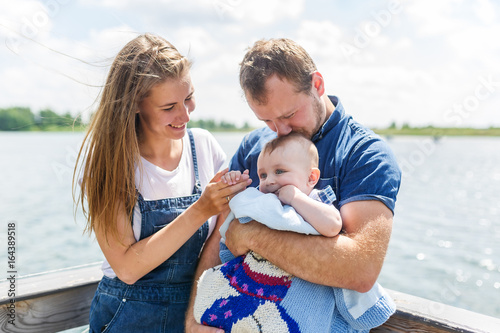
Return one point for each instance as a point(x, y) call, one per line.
point(131, 260)
point(324, 218)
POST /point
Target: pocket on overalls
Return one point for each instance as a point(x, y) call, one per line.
point(105, 310)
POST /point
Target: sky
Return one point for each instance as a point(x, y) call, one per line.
point(416, 62)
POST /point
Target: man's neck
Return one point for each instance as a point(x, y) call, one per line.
point(329, 106)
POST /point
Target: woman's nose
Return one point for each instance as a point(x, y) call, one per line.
point(185, 112)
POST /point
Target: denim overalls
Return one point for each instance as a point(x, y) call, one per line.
point(158, 301)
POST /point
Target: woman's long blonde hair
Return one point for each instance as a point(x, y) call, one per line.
point(109, 154)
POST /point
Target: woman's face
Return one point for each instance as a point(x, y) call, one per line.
point(164, 113)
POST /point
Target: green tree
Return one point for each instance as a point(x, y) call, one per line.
point(47, 118)
point(16, 119)
point(227, 126)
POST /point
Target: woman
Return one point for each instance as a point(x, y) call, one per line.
point(146, 181)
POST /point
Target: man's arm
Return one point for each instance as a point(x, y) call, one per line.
point(351, 260)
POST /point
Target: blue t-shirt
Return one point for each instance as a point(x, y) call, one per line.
point(353, 160)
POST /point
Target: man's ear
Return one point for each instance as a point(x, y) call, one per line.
point(318, 83)
point(314, 176)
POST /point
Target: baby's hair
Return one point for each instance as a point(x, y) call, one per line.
point(282, 141)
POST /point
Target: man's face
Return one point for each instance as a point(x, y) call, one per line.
point(287, 111)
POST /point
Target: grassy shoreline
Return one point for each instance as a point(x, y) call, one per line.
point(406, 131)
point(438, 131)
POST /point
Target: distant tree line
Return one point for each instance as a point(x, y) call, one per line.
point(23, 119)
point(430, 130)
point(222, 126)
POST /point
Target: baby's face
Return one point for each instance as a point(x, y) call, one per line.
point(283, 166)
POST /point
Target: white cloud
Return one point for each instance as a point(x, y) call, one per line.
point(25, 20)
point(320, 39)
point(429, 56)
point(434, 17)
point(485, 11)
point(259, 12)
point(123, 4)
point(196, 41)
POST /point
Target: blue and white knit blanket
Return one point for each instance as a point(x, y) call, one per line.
point(250, 294)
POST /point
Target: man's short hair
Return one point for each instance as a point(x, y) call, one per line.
point(282, 57)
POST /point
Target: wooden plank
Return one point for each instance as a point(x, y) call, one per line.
point(51, 282)
point(50, 302)
point(415, 314)
point(50, 313)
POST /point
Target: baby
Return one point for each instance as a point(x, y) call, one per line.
point(288, 168)
point(249, 293)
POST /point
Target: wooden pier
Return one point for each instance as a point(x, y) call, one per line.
point(59, 300)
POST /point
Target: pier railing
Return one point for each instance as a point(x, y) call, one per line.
point(59, 300)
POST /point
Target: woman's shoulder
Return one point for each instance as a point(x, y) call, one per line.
point(203, 137)
point(200, 133)
point(208, 148)
point(205, 141)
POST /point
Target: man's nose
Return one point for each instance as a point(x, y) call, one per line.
point(282, 128)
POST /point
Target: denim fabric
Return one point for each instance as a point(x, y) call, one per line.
point(353, 160)
point(159, 300)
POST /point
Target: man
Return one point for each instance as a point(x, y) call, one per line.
point(284, 89)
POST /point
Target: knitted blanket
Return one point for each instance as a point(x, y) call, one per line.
point(250, 294)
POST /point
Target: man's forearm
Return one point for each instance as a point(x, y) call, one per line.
point(352, 260)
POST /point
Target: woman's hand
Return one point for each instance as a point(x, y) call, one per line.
point(215, 198)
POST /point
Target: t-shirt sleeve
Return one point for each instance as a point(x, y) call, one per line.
point(371, 172)
point(209, 150)
point(219, 155)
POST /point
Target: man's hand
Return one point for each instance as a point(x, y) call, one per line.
point(239, 236)
point(351, 260)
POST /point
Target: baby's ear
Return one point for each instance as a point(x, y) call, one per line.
point(314, 176)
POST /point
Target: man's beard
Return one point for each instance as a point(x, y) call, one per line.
point(318, 115)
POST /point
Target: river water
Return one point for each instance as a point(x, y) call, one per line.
point(445, 244)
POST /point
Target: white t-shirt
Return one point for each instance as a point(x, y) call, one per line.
point(155, 183)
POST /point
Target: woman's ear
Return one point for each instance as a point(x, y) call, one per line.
point(314, 176)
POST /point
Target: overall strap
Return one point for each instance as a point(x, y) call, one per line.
point(197, 186)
